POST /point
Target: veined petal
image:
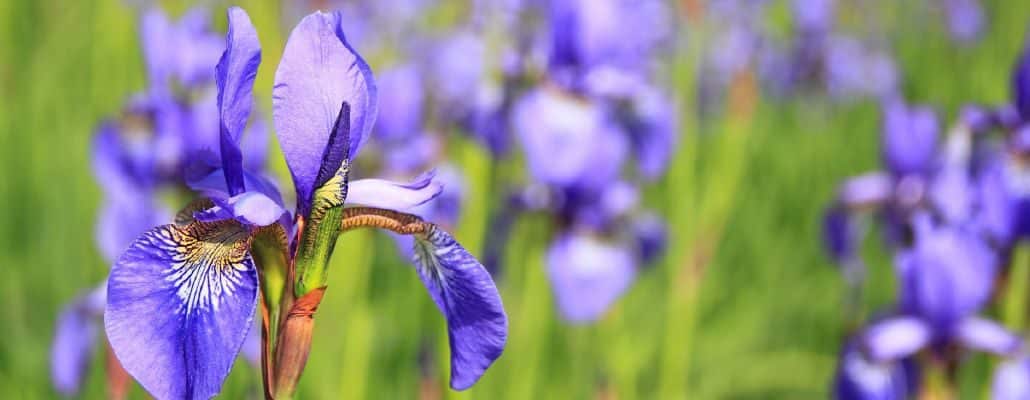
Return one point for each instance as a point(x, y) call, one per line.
point(476, 323)
point(180, 303)
point(896, 338)
point(985, 335)
point(320, 79)
point(588, 275)
point(392, 195)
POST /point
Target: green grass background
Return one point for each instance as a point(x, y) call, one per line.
point(745, 305)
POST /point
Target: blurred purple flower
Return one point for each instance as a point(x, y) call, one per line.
point(909, 138)
point(853, 69)
point(588, 274)
point(1012, 380)
point(814, 17)
point(567, 140)
point(965, 19)
point(400, 103)
point(75, 341)
point(946, 276)
point(185, 50)
point(858, 378)
point(1021, 84)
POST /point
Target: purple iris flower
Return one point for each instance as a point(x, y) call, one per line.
point(946, 278)
point(575, 153)
point(182, 298)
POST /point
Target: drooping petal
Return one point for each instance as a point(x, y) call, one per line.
point(1012, 380)
point(236, 71)
point(476, 323)
point(319, 78)
point(180, 303)
point(896, 338)
point(864, 190)
point(858, 378)
point(392, 195)
point(75, 341)
point(985, 335)
point(588, 274)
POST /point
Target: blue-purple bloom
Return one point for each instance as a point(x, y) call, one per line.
point(181, 299)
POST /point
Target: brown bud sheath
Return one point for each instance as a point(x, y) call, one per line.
point(294, 344)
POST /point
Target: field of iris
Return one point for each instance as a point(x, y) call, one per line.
point(744, 303)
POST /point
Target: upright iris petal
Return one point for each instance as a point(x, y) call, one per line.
point(320, 80)
point(858, 378)
point(909, 138)
point(236, 71)
point(180, 303)
point(476, 324)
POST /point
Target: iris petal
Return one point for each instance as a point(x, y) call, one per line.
point(236, 71)
point(392, 195)
point(896, 338)
point(319, 72)
point(180, 303)
point(463, 290)
point(986, 335)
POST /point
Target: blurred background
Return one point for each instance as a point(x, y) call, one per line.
point(739, 118)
